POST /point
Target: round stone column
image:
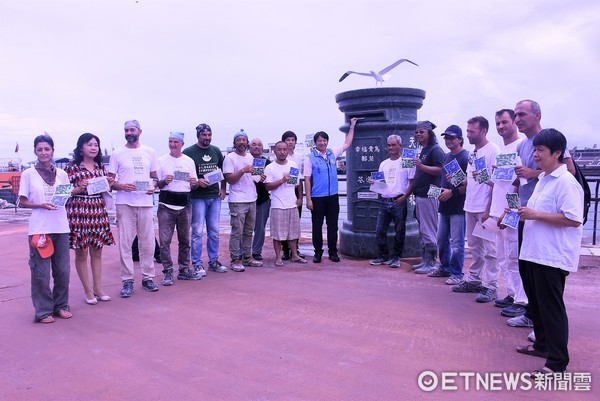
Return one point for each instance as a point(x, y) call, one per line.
point(384, 111)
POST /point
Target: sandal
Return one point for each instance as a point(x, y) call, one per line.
point(529, 350)
point(543, 374)
point(64, 314)
point(279, 264)
point(46, 319)
point(299, 260)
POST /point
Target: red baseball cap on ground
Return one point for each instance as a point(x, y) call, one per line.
point(43, 245)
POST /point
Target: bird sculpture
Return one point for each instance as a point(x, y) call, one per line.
point(380, 76)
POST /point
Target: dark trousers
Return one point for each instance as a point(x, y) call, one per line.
point(522, 271)
point(388, 212)
point(544, 287)
point(328, 208)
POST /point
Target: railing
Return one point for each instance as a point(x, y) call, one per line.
point(594, 183)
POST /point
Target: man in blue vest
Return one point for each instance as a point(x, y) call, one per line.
point(321, 182)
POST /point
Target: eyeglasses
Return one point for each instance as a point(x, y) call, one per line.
point(130, 129)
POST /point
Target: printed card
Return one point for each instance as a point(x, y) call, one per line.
point(408, 157)
point(214, 176)
point(181, 175)
point(506, 159)
point(511, 220)
point(505, 173)
point(458, 178)
point(378, 176)
point(97, 185)
point(294, 173)
point(434, 192)
point(259, 166)
point(513, 200)
point(480, 164)
point(482, 176)
point(62, 193)
point(142, 186)
point(452, 167)
point(309, 141)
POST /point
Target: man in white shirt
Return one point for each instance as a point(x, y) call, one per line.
point(290, 138)
point(393, 193)
point(176, 178)
point(477, 208)
point(285, 220)
point(133, 167)
point(507, 249)
point(237, 169)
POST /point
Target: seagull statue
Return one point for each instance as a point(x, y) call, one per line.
point(380, 76)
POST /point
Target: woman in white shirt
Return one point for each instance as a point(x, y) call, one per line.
point(48, 233)
point(551, 242)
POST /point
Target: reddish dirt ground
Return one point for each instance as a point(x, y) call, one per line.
point(334, 331)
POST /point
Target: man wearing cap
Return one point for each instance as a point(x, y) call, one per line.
point(176, 178)
point(133, 167)
point(451, 221)
point(483, 272)
point(263, 201)
point(206, 200)
point(428, 166)
point(237, 169)
point(393, 195)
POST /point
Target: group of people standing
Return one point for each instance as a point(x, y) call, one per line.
point(535, 257)
point(192, 184)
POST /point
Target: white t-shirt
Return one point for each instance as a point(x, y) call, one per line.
point(35, 189)
point(478, 195)
point(545, 243)
point(501, 188)
point(130, 165)
point(397, 179)
point(244, 190)
point(282, 197)
point(167, 165)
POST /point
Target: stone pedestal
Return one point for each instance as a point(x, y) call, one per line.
point(385, 111)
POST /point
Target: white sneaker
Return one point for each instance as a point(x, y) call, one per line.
point(237, 266)
point(519, 321)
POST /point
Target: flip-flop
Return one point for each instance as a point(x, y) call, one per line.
point(300, 260)
point(279, 264)
point(543, 374)
point(529, 350)
point(64, 314)
point(46, 319)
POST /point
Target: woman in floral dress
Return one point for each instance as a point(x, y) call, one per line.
point(88, 216)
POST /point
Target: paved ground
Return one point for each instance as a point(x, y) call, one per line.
point(343, 331)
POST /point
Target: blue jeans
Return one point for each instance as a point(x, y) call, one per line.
point(451, 243)
point(205, 211)
point(389, 211)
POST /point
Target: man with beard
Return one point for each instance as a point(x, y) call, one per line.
point(206, 200)
point(135, 166)
point(477, 208)
point(237, 169)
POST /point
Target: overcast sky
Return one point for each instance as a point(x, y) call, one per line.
point(74, 66)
